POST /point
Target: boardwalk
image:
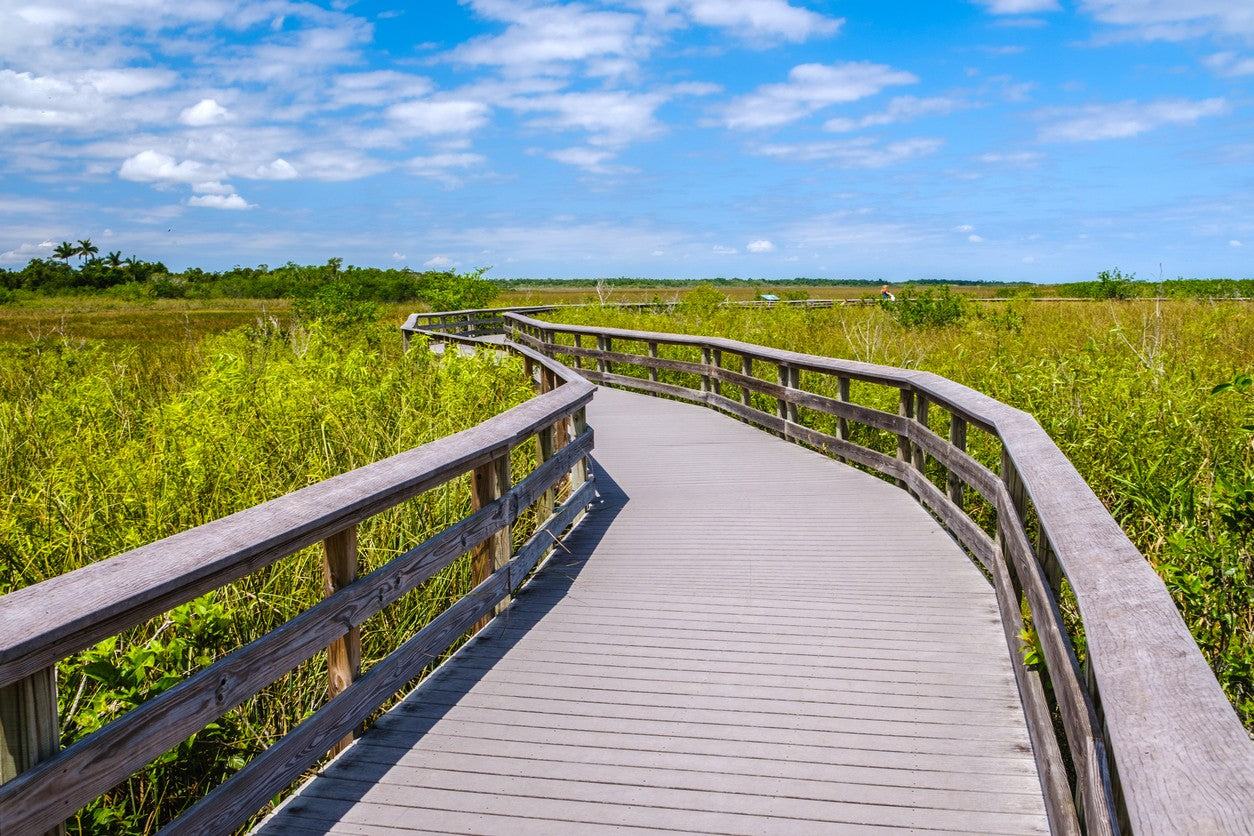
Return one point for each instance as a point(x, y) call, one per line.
point(746, 638)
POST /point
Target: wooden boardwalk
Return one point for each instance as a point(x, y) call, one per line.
point(746, 637)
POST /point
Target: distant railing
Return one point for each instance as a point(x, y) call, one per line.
point(42, 625)
point(1140, 738)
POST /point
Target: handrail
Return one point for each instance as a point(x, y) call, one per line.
point(1154, 744)
point(45, 623)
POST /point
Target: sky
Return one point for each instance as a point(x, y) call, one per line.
point(1015, 140)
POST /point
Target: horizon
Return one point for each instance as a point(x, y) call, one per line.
point(1037, 141)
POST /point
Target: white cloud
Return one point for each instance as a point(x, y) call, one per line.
point(900, 109)
point(856, 153)
point(1019, 7)
point(545, 39)
point(204, 112)
point(218, 201)
point(760, 246)
point(591, 159)
point(441, 166)
point(278, 169)
point(1230, 64)
point(26, 252)
point(439, 262)
point(154, 167)
point(1124, 119)
point(376, 89)
point(1235, 243)
point(613, 118)
point(964, 228)
point(436, 118)
point(718, 249)
point(1171, 20)
point(975, 239)
point(759, 18)
point(398, 256)
point(811, 87)
point(1025, 159)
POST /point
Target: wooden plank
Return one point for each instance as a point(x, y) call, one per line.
point(833, 680)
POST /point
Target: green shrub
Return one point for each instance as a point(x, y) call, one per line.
point(927, 308)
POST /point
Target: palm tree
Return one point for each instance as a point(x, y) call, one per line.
point(86, 248)
point(65, 251)
point(114, 259)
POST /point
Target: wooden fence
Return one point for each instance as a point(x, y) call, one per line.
point(1138, 737)
point(42, 625)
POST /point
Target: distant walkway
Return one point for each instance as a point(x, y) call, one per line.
point(747, 638)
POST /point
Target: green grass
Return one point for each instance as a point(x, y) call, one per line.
point(107, 444)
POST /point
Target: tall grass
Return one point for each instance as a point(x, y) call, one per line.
point(107, 446)
point(1124, 389)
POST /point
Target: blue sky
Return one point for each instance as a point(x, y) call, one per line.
point(1033, 140)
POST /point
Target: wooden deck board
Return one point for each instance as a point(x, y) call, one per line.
point(747, 638)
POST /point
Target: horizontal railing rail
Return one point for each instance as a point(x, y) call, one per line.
point(1137, 738)
point(48, 622)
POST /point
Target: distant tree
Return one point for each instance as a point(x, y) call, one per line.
point(86, 248)
point(65, 251)
point(114, 259)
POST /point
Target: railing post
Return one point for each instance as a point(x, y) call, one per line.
point(575, 427)
point(489, 482)
point(339, 569)
point(842, 423)
point(905, 409)
point(603, 345)
point(29, 726)
point(716, 361)
point(706, 358)
point(746, 368)
point(579, 360)
point(958, 439)
point(920, 418)
point(653, 354)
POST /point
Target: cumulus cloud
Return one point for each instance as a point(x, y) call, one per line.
point(439, 262)
point(1235, 243)
point(1230, 64)
point(773, 19)
point(974, 239)
point(218, 201)
point(811, 87)
point(435, 118)
point(1169, 20)
point(613, 118)
point(718, 249)
point(154, 167)
point(204, 112)
point(964, 228)
point(1019, 7)
point(279, 169)
point(857, 153)
point(1123, 119)
point(26, 252)
point(900, 109)
point(549, 38)
point(760, 246)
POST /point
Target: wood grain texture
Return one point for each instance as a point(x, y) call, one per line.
point(712, 656)
point(1182, 759)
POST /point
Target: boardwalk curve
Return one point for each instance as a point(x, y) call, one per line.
point(746, 637)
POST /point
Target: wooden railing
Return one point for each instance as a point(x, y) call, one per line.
point(1139, 738)
point(42, 625)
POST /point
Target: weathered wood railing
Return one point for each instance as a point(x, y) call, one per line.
point(46, 623)
point(1153, 744)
